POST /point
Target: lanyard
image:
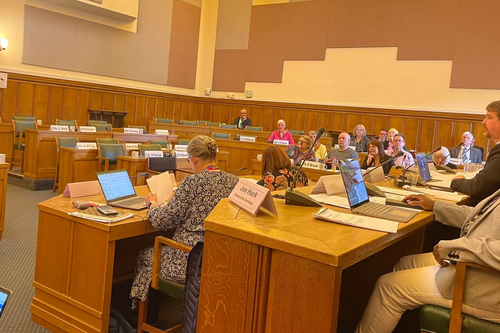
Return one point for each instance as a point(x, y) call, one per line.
point(474, 219)
point(211, 167)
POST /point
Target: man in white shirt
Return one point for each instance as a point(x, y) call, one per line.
point(403, 161)
point(466, 152)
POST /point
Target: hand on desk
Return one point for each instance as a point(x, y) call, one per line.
point(458, 177)
point(151, 197)
point(419, 200)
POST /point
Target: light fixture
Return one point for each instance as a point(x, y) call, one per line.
point(3, 44)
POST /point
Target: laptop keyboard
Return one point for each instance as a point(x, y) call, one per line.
point(132, 201)
point(373, 209)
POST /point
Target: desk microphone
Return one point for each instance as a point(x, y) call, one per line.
point(399, 154)
point(297, 198)
point(445, 167)
point(240, 169)
point(401, 181)
point(372, 189)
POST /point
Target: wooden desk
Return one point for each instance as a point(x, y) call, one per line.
point(40, 151)
point(312, 174)
point(77, 262)
point(284, 274)
point(6, 141)
point(3, 194)
point(77, 165)
point(182, 131)
point(135, 167)
point(142, 138)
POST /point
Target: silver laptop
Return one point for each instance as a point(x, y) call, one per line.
point(119, 191)
point(358, 196)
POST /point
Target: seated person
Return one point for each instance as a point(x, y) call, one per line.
point(466, 151)
point(278, 172)
point(377, 156)
point(428, 279)
point(343, 152)
point(195, 198)
point(399, 143)
point(298, 153)
point(281, 134)
point(360, 140)
point(390, 137)
point(478, 147)
point(442, 157)
point(242, 121)
point(382, 137)
point(319, 149)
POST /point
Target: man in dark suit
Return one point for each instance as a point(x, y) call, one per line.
point(242, 121)
point(487, 181)
point(466, 151)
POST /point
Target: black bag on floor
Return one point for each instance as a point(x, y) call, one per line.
point(118, 324)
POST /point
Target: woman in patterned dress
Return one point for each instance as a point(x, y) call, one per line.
point(195, 198)
point(278, 172)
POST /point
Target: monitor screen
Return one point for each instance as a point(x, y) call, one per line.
point(423, 168)
point(4, 294)
point(115, 184)
point(353, 182)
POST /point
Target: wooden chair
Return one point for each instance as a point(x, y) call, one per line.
point(437, 319)
point(231, 126)
point(163, 143)
point(183, 141)
point(144, 148)
point(99, 127)
point(107, 154)
point(190, 122)
point(107, 140)
point(295, 132)
point(62, 142)
point(19, 127)
point(254, 128)
point(140, 127)
point(202, 122)
point(62, 122)
point(159, 165)
point(24, 118)
point(164, 121)
point(161, 284)
point(89, 122)
point(214, 124)
point(221, 136)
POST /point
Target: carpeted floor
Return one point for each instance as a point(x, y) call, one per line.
point(17, 257)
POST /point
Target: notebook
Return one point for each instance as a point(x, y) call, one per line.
point(119, 191)
point(358, 196)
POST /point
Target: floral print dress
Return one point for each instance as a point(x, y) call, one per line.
point(283, 178)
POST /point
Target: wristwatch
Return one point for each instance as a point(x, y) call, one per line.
point(150, 203)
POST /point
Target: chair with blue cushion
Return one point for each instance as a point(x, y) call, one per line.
point(89, 122)
point(62, 122)
point(140, 127)
point(164, 121)
point(221, 136)
point(108, 154)
point(18, 134)
point(436, 319)
point(254, 128)
point(163, 143)
point(190, 122)
point(144, 148)
point(183, 141)
point(24, 118)
point(202, 122)
point(107, 140)
point(102, 127)
point(228, 126)
point(296, 132)
point(68, 142)
point(212, 123)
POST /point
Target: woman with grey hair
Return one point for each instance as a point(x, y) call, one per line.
point(281, 134)
point(359, 138)
point(442, 157)
point(196, 196)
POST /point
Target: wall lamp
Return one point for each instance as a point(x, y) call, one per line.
point(3, 44)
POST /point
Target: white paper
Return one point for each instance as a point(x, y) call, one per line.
point(438, 194)
point(332, 200)
point(357, 220)
point(162, 186)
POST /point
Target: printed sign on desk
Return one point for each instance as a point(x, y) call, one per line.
point(57, 128)
point(86, 145)
point(247, 138)
point(153, 154)
point(250, 197)
point(281, 142)
point(130, 146)
point(161, 132)
point(181, 154)
point(181, 147)
point(86, 129)
point(314, 165)
point(132, 130)
point(456, 161)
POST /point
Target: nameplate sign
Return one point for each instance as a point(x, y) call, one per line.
point(281, 142)
point(330, 184)
point(132, 130)
point(86, 145)
point(130, 146)
point(456, 161)
point(250, 197)
point(181, 154)
point(247, 138)
point(83, 189)
point(87, 129)
point(181, 147)
point(314, 165)
point(153, 154)
point(59, 128)
point(161, 132)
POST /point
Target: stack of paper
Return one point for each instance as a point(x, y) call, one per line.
point(357, 220)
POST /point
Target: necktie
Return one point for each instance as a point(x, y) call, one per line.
point(464, 154)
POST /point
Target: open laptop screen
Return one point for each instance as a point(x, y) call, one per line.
point(115, 184)
point(423, 168)
point(353, 182)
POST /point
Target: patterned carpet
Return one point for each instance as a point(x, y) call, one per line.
point(17, 257)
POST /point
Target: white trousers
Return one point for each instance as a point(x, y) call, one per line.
point(410, 285)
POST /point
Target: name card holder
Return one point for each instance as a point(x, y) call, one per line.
point(59, 128)
point(131, 146)
point(132, 130)
point(153, 154)
point(87, 129)
point(161, 132)
point(181, 147)
point(82, 189)
point(281, 142)
point(314, 165)
point(247, 138)
point(86, 145)
point(456, 161)
point(332, 184)
point(251, 197)
point(181, 154)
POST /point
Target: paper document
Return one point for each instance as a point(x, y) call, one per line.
point(366, 222)
point(162, 186)
point(438, 194)
point(93, 214)
point(332, 200)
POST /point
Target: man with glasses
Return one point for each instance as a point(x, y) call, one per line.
point(343, 152)
point(382, 137)
point(243, 121)
point(399, 143)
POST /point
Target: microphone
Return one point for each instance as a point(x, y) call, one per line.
point(445, 167)
point(372, 189)
point(140, 175)
point(240, 169)
point(298, 198)
point(399, 154)
point(69, 117)
point(143, 131)
point(401, 181)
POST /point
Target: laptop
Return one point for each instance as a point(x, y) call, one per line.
point(358, 196)
point(119, 191)
point(425, 172)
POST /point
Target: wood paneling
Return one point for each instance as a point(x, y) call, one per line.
point(3, 194)
point(48, 99)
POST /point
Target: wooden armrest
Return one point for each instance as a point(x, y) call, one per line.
point(159, 242)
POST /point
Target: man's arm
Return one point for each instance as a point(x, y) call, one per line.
point(482, 250)
point(450, 213)
point(248, 122)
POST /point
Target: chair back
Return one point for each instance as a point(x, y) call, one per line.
point(22, 126)
point(102, 127)
point(24, 118)
point(144, 148)
point(190, 122)
point(163, 144)
point(138, 126)
point(227, 126)
point(162, 164)
point(110, 151)
point(89, 122)
point(164, 121)
point(62, 122)
point(295, 132)
point(202, 122)
point(254, 128)
point(221, 136)
point(66, 142)
point(211, 123)
point(183, 141)
point(107, 140)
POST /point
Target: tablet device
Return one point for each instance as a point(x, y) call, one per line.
point(4, 296)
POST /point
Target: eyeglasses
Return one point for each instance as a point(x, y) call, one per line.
point(399, 140)
point(302, 141)
point(188, 159)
